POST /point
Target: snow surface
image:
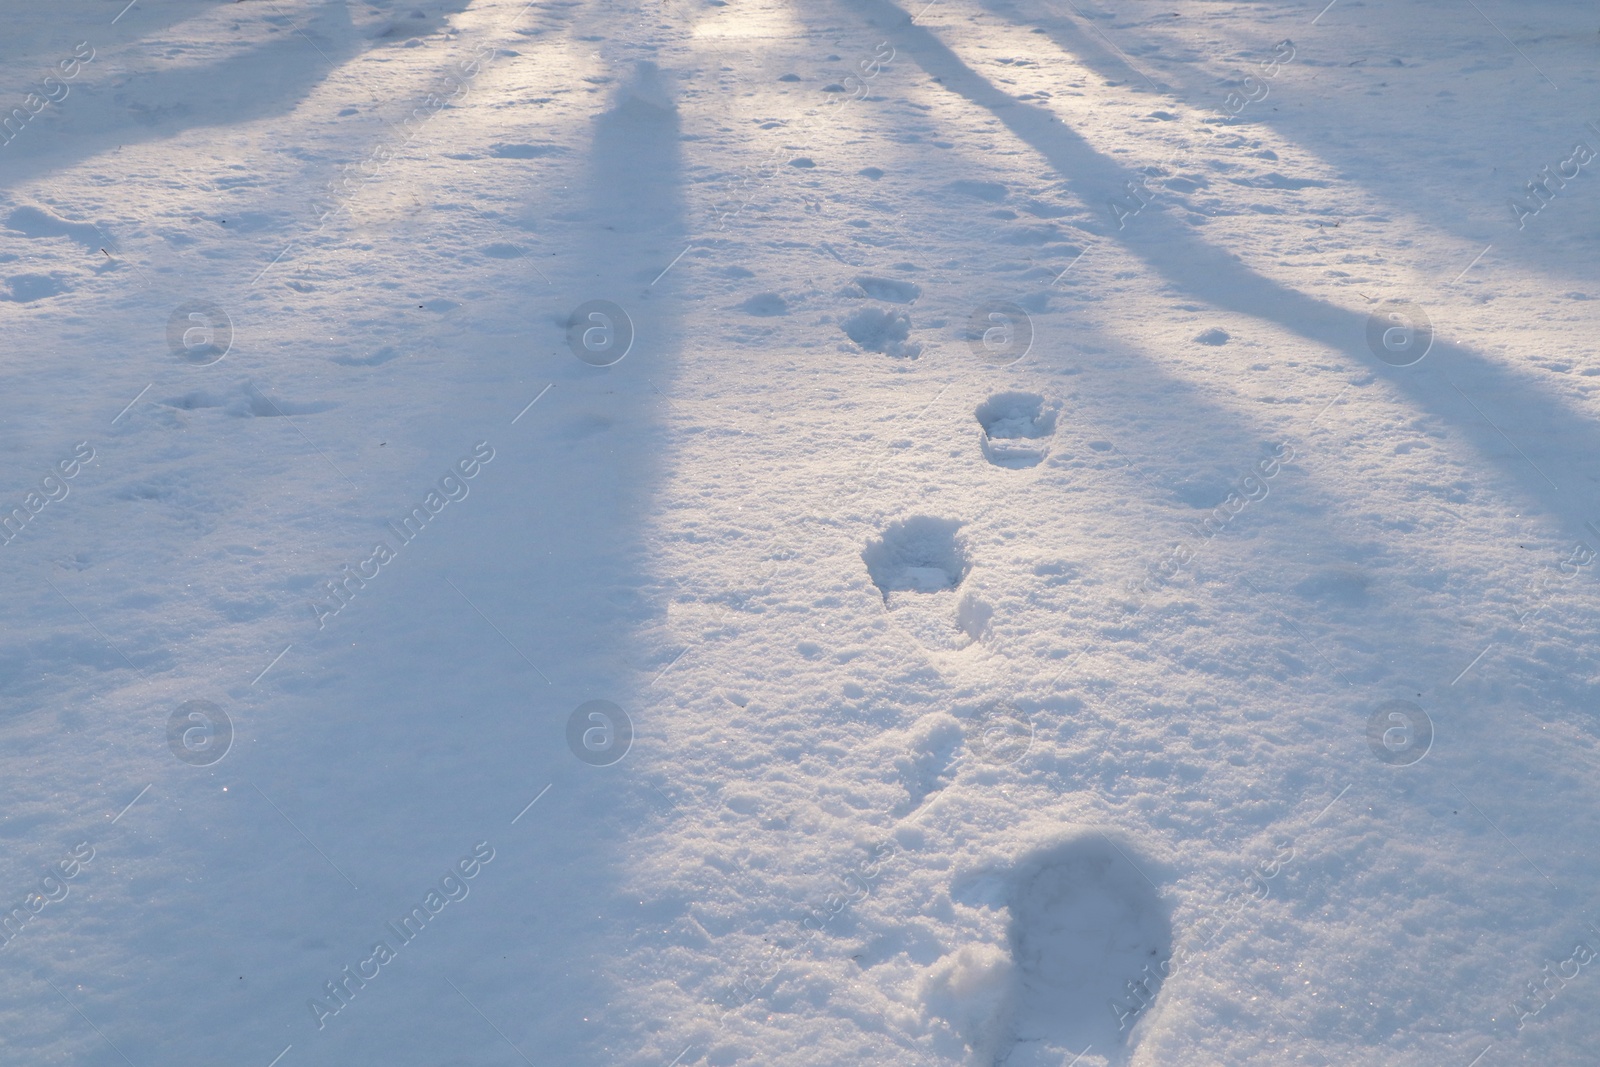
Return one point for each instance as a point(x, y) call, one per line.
point(978, 532)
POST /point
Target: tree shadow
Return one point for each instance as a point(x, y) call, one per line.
point(546, 548)
point(1550, 461)
point(105, 109)
point(582, 500)
point(1387, 133)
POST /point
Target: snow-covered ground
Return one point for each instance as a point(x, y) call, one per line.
point(983, 532)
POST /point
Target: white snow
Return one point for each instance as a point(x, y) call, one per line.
point(988, 532)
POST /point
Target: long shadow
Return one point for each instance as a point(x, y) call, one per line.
point(1099, 53)
point(567, 580)
point(1315, 114)
point(556, 571)
point(1502, 407)
point(451, 703)
point(100, 113)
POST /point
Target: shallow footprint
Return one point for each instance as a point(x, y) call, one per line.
point(879, 330)
point(26, 288)
point(1016, 429)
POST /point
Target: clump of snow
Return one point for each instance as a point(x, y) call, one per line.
point(972, 991)
point(765, 305)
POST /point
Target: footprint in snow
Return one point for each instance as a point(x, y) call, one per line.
point(1016, 429)
point(1336, 587)
point(1087, 932)
point(37, 222)
point(26, 288)
point(765, 305)
point(246, 402)
point(918, 566)
point(889, 290)
point(993, 192)
point(1088, 942)
point(878, 330)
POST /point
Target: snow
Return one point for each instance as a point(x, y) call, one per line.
point(986, 532)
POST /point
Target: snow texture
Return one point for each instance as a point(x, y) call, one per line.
point(684, 533)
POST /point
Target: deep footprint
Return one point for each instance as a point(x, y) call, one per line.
point(1016, 429)
point(1088, 933)
point(917, 566)
point(920, 555)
